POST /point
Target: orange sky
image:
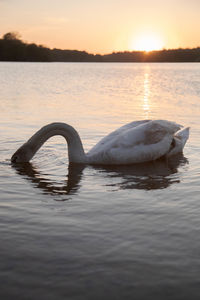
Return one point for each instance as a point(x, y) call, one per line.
point(103, 26)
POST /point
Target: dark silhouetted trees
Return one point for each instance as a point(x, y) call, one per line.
point(12, 48)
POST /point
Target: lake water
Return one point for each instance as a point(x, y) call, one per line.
point(96, 232)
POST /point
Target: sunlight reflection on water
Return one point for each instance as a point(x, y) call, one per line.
point(146, 100)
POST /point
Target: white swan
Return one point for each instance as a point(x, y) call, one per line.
point(138, 141)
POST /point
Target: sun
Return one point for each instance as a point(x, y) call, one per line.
point(147, 42)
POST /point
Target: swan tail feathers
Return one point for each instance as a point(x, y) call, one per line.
point(179, 141)
point(183, 135)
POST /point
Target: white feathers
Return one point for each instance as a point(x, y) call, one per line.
point(136, 142)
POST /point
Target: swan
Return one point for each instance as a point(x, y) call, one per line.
point(135, 142)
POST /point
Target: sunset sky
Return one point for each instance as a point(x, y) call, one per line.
point(104, 26)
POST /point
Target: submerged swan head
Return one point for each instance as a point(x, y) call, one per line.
point(23, 154)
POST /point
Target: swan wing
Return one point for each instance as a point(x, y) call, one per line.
point(114, 135)
point(144, 142)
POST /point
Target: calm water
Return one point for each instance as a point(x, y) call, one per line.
point(98, 233)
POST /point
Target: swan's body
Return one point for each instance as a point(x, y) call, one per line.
point(136, 142)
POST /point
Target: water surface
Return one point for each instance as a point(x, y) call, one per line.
point(98, 232)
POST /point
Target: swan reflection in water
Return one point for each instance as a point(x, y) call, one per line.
point(146, 176)
point(158, 174)
point(47, 186)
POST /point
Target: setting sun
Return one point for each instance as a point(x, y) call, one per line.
point(147, 43)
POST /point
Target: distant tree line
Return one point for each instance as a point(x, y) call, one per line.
point(12, 48)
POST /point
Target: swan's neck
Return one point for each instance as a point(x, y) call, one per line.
point(75, 147)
